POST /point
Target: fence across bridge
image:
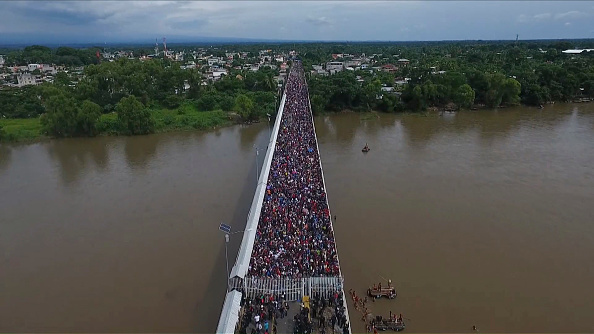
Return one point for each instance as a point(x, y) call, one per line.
point(293, 289)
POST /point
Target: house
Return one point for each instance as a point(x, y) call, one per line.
point(27, 79)
point(33, 67)
point(2, 61)
point(402, 82)
point(576, 51)
point(352, 63)
point(334, 66)
point(403, 61)
point(214, 61)
point(217, 74)
point(46, 68)
point(390, 68)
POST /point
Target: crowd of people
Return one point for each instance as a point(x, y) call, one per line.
point(261, 314)
point(294, 236)
point(329, 313)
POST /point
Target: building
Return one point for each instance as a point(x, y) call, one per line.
point(576, 51)
point(27, 79)
point(334, 66)
point(390, 68)
point(214, 61)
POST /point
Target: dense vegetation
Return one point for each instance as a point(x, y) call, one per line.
point(138, 92)
point(136, 97)
point(38, 54)
point(464, 74)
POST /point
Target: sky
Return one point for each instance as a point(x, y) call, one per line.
point(74, 21)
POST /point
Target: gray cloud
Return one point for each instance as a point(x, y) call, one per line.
point(574, 14)
point(320, 21)
point(91, 21)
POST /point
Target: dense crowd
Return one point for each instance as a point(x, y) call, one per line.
point(320, 315)
point(261, 314)
point(294, 236)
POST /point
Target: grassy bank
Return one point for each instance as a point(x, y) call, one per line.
point(184, 118)
point(20, 129)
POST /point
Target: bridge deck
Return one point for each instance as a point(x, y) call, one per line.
point(292, 248)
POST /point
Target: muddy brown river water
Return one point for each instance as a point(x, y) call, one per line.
point(480, 218)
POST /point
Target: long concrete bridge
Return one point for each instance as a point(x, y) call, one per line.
point(305, 272)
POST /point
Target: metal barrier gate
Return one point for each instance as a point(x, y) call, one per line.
point(293, 289)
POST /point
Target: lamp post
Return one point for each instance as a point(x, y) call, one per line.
point(257, 168)
point(226, 229)
point(269, 130)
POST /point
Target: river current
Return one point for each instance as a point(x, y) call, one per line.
point(479, 218)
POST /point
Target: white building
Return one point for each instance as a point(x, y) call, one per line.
point(576, 51)
point(334, 66)
point(27, 79)
point(214, 61)
point(33, 67)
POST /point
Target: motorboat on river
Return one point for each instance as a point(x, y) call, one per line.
point(379, 291)
point(393, 323)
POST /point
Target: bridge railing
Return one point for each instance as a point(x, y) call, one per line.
point(293, 289)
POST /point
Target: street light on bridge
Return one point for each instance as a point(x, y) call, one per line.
point(269, 130)
point(227, 230)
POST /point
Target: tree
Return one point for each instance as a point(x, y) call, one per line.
point(371, 90)
point(589, 88)
point(511, 91)
point(133, 117)
point(226, 103)
point(60, 119)
point(87, 118)
point(464, 96)
point(245, 107)
point(318, 104)
point(64, 118)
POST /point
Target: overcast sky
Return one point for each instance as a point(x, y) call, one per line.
point(120, 21)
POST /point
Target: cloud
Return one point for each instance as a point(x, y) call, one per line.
point(543, 16)
point(90, 21)
point(574, 14)
point(319, 21)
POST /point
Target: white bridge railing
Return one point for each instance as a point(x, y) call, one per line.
point(293, 289)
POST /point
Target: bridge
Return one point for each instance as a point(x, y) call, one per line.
point(287, 274)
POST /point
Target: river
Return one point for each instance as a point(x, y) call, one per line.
point(479, 218)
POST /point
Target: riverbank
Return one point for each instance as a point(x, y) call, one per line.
point(184, 118)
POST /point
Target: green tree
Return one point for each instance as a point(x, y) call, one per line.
point(244, 106)
point(511, 91)
point(226, 103)
point(60, 118)
point(318, 104)
point(133, 117)
point(87, 118)
point(464, 96)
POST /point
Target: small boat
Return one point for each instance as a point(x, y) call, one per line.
point(389, 292)
point(379, 291)
point(365, 149)
point(394, 323)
